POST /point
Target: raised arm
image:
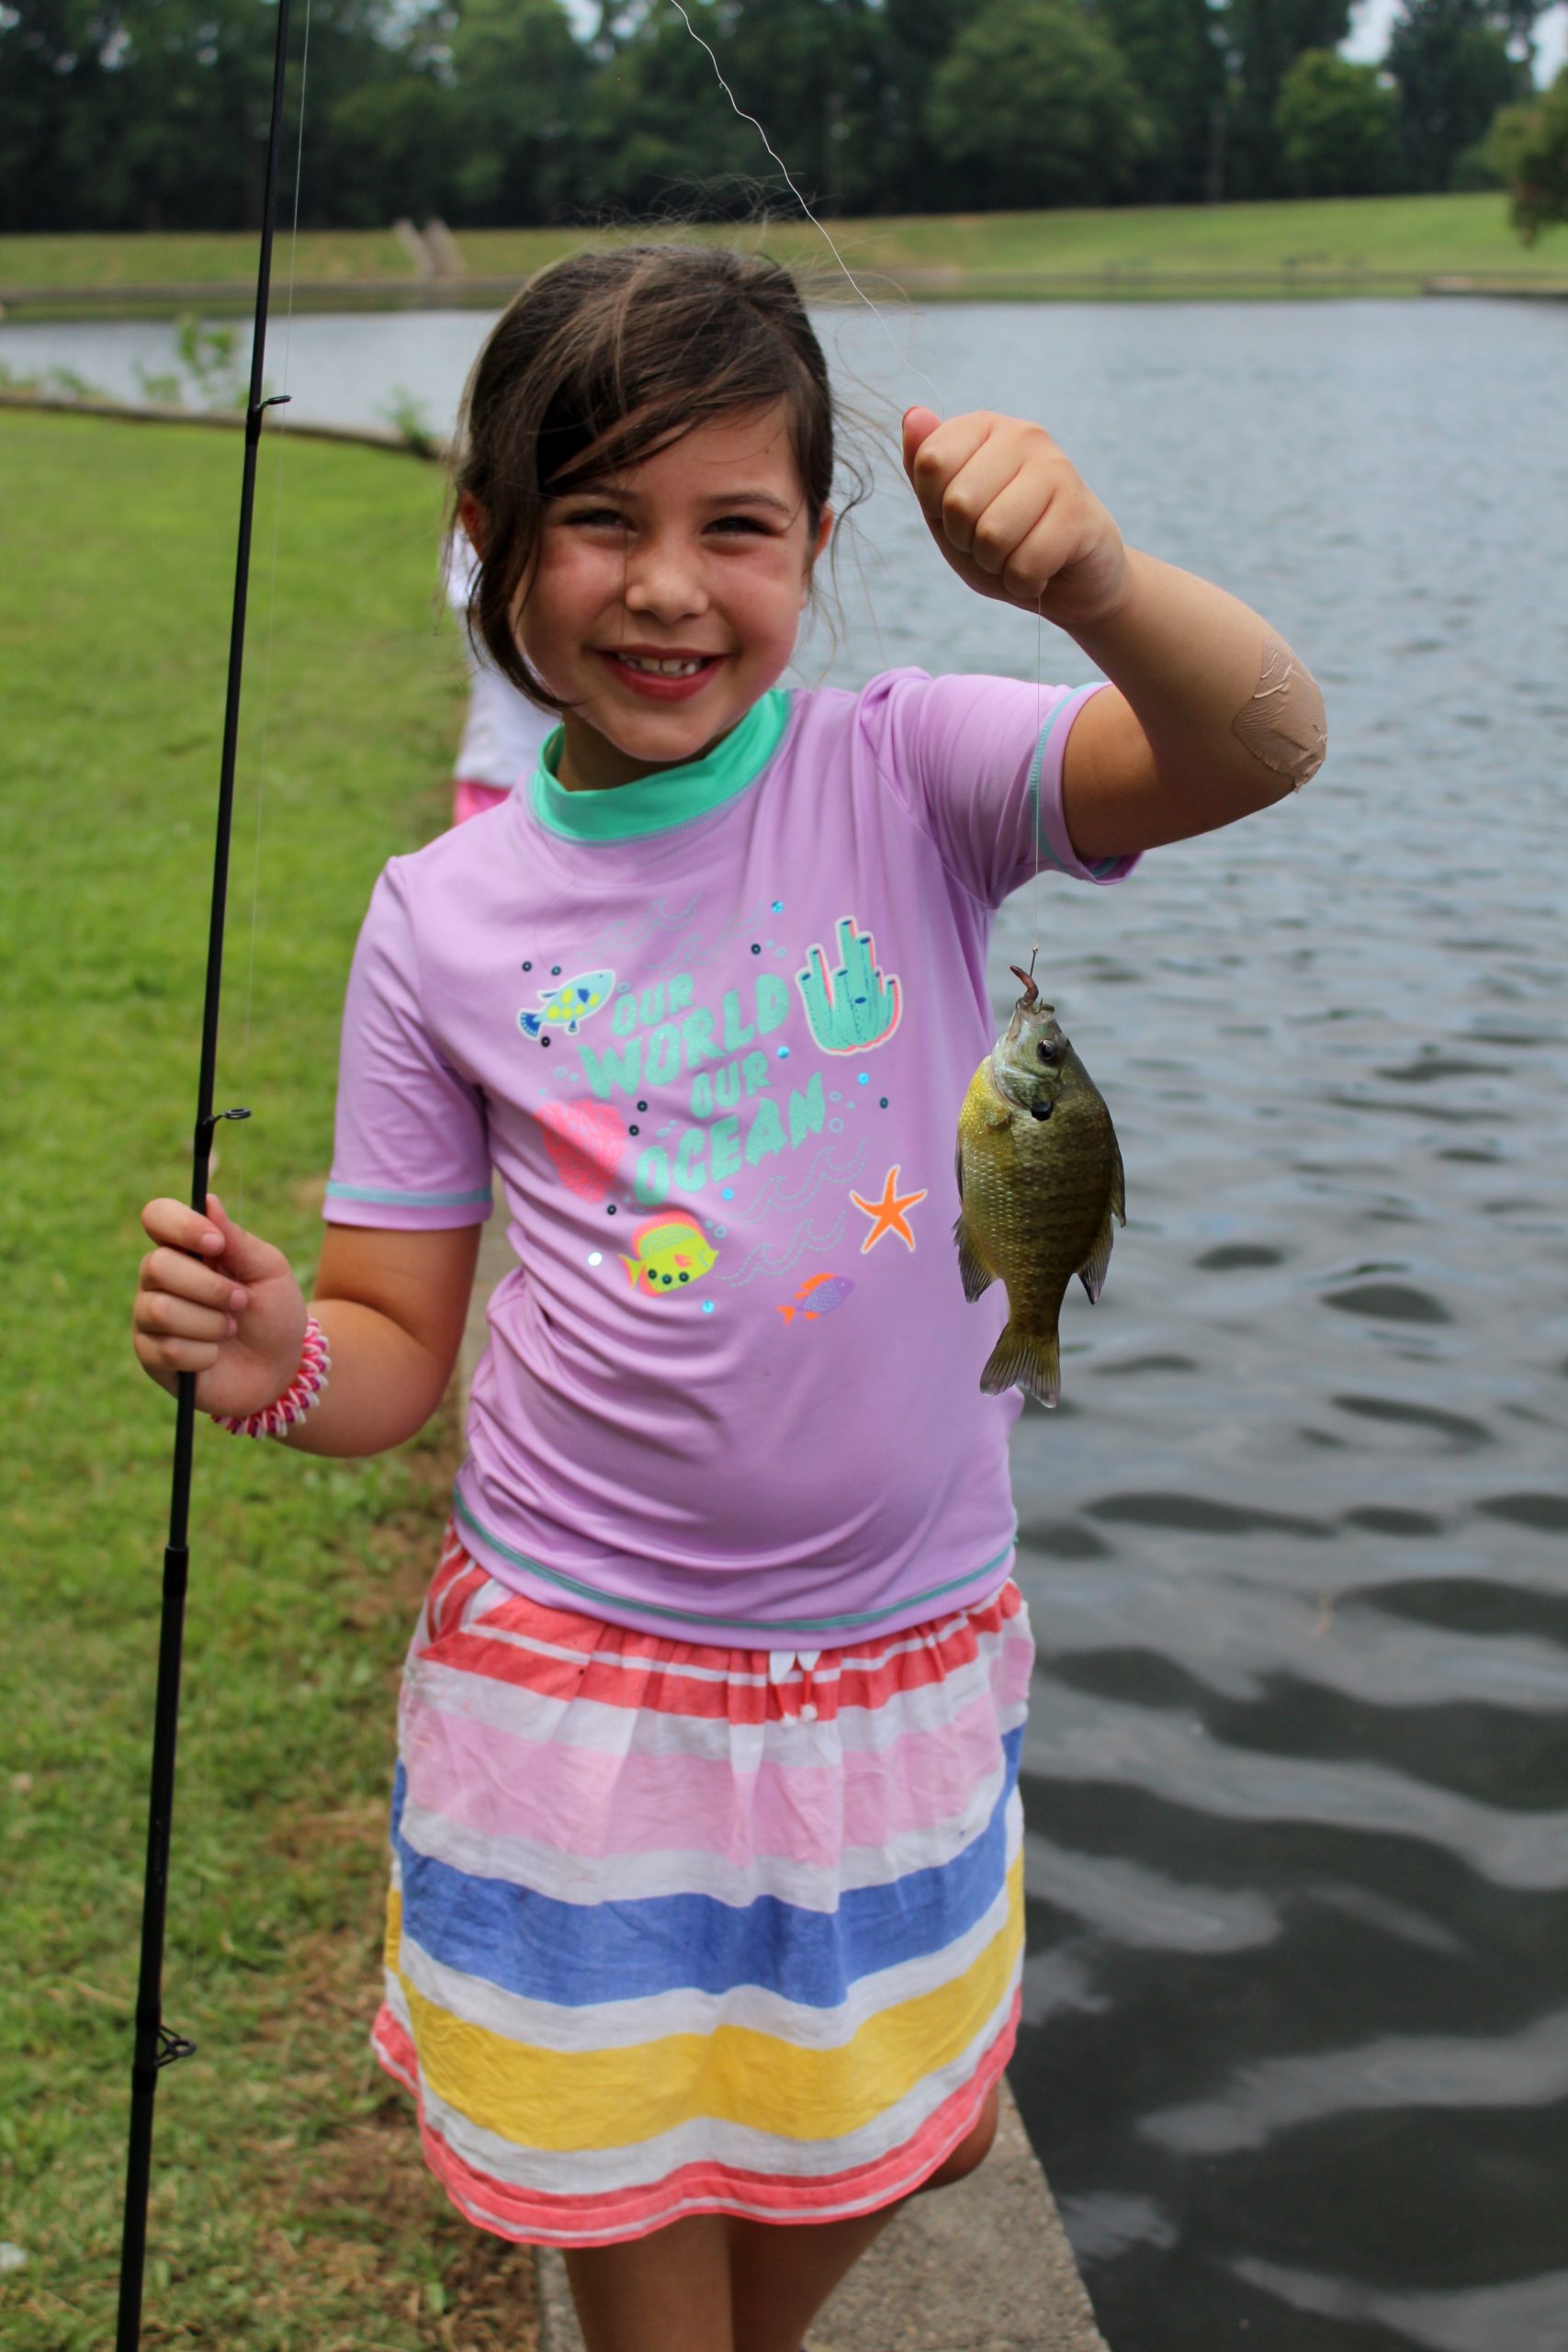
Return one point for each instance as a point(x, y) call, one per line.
point(1210, 715)
point(219, 1302)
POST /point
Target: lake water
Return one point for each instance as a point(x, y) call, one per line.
point(1295, 2050)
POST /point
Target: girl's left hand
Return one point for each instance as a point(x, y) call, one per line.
point(1012, 517)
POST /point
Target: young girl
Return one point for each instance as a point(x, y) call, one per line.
point(706, 1922)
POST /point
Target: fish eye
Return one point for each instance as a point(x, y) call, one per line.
point(1048, 1053)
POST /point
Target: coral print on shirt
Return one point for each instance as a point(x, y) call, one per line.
point(710, 1028)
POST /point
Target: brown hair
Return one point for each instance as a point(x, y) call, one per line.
point(602, 360)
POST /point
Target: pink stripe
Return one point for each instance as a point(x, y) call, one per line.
point(533, 2219)
point(580, 1801)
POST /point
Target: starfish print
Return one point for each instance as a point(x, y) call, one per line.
point(887, 1214)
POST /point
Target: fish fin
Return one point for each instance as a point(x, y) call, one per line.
point(974, 1273)
point(1026, 1360)
point(788, 1314)
point(1092, 1272)
point(958, 1166)
point(530, 1023)
point(1118, 1183)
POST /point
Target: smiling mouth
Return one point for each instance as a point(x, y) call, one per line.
point(660, 665)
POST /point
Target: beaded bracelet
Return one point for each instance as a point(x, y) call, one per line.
point(306, 1389)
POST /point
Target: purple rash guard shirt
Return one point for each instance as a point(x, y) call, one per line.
point(713, 1029)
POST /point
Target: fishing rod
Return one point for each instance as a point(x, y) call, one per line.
point(157, 2045)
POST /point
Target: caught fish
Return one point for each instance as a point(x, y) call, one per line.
point(673, 1250)
point(1040, 1177)
point(564, 1007)
point(818, 1294)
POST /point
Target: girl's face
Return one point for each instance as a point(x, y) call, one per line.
point(668, 595)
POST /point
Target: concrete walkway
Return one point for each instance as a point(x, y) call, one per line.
point(982, 2266)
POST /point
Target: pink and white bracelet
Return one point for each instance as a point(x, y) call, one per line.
point(306, 1389)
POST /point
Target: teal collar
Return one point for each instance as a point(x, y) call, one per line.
point(654, 804)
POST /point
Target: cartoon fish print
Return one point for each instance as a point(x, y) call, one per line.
point(569, 1006)
point(673, 1251)
point(824, 1291)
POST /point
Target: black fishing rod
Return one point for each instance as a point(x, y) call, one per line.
point(156, 2045)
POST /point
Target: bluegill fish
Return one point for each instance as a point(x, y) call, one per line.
point(1040, 1177)
point(566, 1006)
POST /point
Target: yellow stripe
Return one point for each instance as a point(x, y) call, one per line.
point(566, 2100)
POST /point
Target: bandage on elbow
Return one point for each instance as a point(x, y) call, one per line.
point(1283, 725)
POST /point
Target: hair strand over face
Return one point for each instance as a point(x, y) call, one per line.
point(597, 363)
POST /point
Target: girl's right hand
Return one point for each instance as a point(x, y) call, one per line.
point(219, 1302)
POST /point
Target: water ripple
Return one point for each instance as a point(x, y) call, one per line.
point(1524, 2316)
point(1528, 2069)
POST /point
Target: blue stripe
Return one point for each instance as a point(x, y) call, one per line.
point(391, 1199)
point(705, 1617)
point(579, 1953)
point(1043, 853)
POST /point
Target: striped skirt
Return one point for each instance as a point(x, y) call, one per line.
point(679, 1929)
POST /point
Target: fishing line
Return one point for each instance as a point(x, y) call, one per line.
point(906, 364)
point(202, 1607)
point(902, 357)
point(265, 712)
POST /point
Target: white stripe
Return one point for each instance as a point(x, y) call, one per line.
point(593, 1724)
point(702, 2139)
point(572, 1876)
point(631, 2024)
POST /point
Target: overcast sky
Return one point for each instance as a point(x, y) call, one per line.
point(1368, 34)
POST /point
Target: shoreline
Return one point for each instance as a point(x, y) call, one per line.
point(1112, 283)
point(1317, 249)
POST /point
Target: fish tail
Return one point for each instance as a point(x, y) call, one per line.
point(788, 1314)
point(1027, 1359)
point(530, 1022)
point(633, 1268)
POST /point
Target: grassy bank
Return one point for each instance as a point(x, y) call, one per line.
point(1385, 244)
point(290, 2210)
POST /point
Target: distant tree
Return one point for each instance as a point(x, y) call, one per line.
point(1338, 126)
point(1453, 70)
point(659, 130)
point(392, 150)
point(1175, 55)
point(519, 78)
point(917, 36)
point(152, 114)
point(1528, 148)
point(1263, 40)
point(1036, 102)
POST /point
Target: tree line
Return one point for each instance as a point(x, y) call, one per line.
point(147, 114)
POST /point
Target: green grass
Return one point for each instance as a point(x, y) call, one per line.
point(1389, 243)
point(203, 257)
point(1409, 237)
point(290, 2210)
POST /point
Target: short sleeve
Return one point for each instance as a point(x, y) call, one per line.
point(977, 762)
point(413, 1146)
